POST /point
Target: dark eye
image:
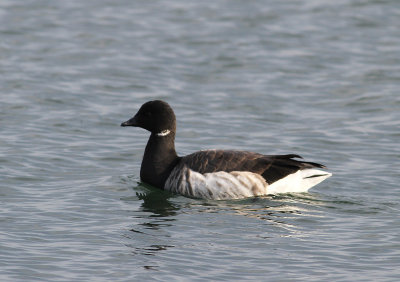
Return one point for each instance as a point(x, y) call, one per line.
point(147, 114)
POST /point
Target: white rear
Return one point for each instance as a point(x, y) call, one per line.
point(298, 182)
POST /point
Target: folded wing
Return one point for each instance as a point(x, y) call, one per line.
point(271, 167)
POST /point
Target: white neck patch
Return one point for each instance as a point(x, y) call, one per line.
point(164, 133)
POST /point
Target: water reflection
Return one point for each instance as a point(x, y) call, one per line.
point(156, 201)
point(155, 213)
point(150, 250)
point(274, 208)
point(290, 215)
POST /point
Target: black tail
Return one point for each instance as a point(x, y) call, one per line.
point(306, 164)
point(283, 165)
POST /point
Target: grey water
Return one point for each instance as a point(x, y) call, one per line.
point(317, 78)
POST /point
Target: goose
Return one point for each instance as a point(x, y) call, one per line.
point(216, 174)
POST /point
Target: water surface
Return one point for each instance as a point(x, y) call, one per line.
point(315, 78)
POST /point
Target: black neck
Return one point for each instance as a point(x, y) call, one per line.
point(159, 159)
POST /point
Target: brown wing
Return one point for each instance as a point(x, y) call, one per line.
point(271, 167)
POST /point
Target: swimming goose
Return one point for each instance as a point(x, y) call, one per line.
point(215, 174)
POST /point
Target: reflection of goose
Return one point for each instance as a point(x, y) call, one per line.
point(215, 174)
point(157, 203)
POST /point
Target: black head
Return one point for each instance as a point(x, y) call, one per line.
point(155, 116)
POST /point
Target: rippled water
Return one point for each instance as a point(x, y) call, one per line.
point(317, 78)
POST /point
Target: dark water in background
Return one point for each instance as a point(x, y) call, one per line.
point(317, 78)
